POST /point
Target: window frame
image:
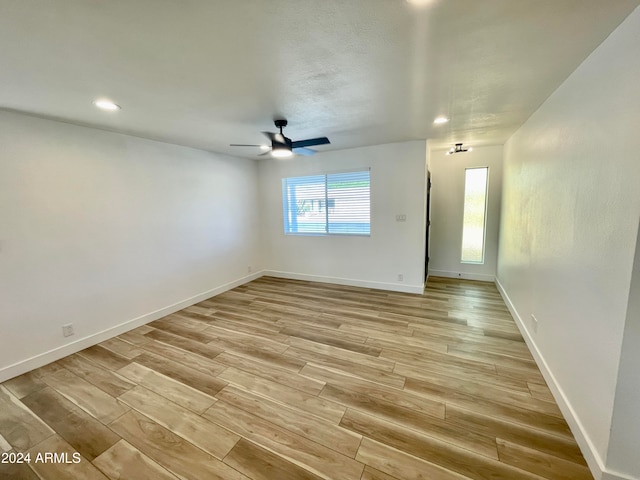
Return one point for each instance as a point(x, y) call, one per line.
point(326, 202)
point(484, 226)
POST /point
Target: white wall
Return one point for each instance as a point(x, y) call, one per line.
point(624, 444)
point(397, 187)
point(98, 229)
point(447, 208)
point(571, 205)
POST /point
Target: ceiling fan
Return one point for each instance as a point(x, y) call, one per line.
point(282, 146)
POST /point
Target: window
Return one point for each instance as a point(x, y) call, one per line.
point(332, 204)
point(475, 214)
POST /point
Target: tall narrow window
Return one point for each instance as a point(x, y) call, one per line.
point(475, 214)
point(337, 203)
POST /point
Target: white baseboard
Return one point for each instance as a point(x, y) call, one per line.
point(45, 358)
point(609, 475)
point(394, 287)
point(466, 276)
point(593, 459)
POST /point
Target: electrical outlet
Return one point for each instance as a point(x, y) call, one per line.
point(401, 217)
point(67, 330)
point(400, 277)
point(534, 323)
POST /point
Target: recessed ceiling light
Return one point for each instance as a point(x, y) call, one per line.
point(264, 147)
point(418, 2)
point(105, 104)
point(440, 120)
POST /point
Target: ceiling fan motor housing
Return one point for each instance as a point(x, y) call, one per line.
point(279, 141)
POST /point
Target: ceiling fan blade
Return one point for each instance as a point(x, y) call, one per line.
point(304, 151)
point(310, 142)
point(243, 145)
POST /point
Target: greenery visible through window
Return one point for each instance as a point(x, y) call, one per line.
point(475, 214)
point(336, 203)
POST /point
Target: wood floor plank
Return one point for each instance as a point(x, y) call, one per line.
point(198, 431)
point(142, 329)
point(473, 353)
point(321, 328)
point(105, 380)
point(383, 377)
point(261, 464)
point(504, 393)
point(401, 465)
point(559, 446)
point(250, 325)
point(368, 325)
point(334, 341)
point(19, 426)
point(80, 430)
point(5, 446)
point(193, 378)
point(169, 388)
point(275, 374)
point(412, 345)
point(549, 423)
point(442, 361)
point(199, 310)
point(529, 375)
point(373, 474)
point(88, 397)
point(309, 455)
point(341, 354)
point(247, 339)
point(540, 391)
point(264, 356)
point(461, 376)
point(46, 370)
point(540, 463)
point(443, 454)
point(69, 470)
point(24, 385)
point(119, 346)
point(306, 402)
point(435, 427)
point(179, 327)
point(179, 321)
point(103, 357)
point(306, 425)
point(134, 338)
point(477, 339)
point(354, 315)
point(171, 451)
point(17, 471)
point(125, 462)
point(196, 347)
point(187, 358)
point(395, 396)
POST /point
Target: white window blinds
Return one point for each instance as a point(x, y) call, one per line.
point(336, 203)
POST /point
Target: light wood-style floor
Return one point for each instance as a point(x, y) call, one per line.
point(288, 380)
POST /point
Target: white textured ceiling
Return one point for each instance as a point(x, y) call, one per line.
point(207, 73)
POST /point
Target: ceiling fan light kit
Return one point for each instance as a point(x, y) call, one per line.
point(283, 147)
point(458, 149)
